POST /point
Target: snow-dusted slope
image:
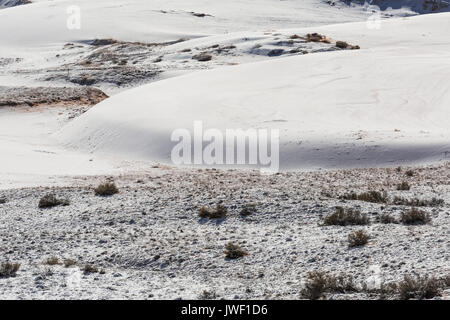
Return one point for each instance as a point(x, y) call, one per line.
point(45, 23)
point(385, 104)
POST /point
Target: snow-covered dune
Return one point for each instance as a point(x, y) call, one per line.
point(385, 104)
point(49, 22)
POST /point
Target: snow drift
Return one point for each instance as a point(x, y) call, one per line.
point(383, 105)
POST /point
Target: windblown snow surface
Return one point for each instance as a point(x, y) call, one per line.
point(385, 104)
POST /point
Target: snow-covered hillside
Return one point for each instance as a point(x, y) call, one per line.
point(45, 23)
point(356, 92)
point(385, 104)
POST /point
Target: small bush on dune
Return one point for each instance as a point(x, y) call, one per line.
point(218, 213)
point(358, 238)
point(50, 201)
point(106, 189)
point(8, 269)
point(233, 251)
point(415, 216)
point(346, 217)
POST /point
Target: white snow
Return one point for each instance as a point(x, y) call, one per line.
point(334, 109)
point(45, 23)
point(383, 105)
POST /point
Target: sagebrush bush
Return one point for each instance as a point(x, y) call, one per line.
point(419, 287)
point(358, 238)
point(404, 186)
point(69, 263)
point(217, 213)
point(386, 218)
point(409, 173)
point(233, 251)
point(415, 216)
point(52, 261)
point(106, 189)
point(248, 209)
point(208, 295)
point(318, 283)
point(9, 270)
point(434, 202)
point(346, 217)
point(88, 268)
point(50, 201)
point(370, 196)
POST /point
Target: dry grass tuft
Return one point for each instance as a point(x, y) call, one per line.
point(218, 213)
point(358, 238)
point(50, 201)
point(9, 270)
point(233, 251)
point(370, 196)
point(346, 217)
point(404, 186)
point(318, 283)
point(415, 216)
point(106, 189)
point(419, 288)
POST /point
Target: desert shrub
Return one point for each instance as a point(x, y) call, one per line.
point(248, 209)
point(233, 251)
point(386, 218)
point(370, 196)
point(52, 261)
point(217, 213)
point(208, 295)
point(2, 200)
point(434, 202)
point(415, 216)
point(106, 189)
point(346, 217)
point(88, 268)
point(404, 186)
point(419, 288)
point(446, 280)
point(409, 173)
point(318, 283)
point(358, 238)
point(69, 263)
point(50, 201)
point(9, 269)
